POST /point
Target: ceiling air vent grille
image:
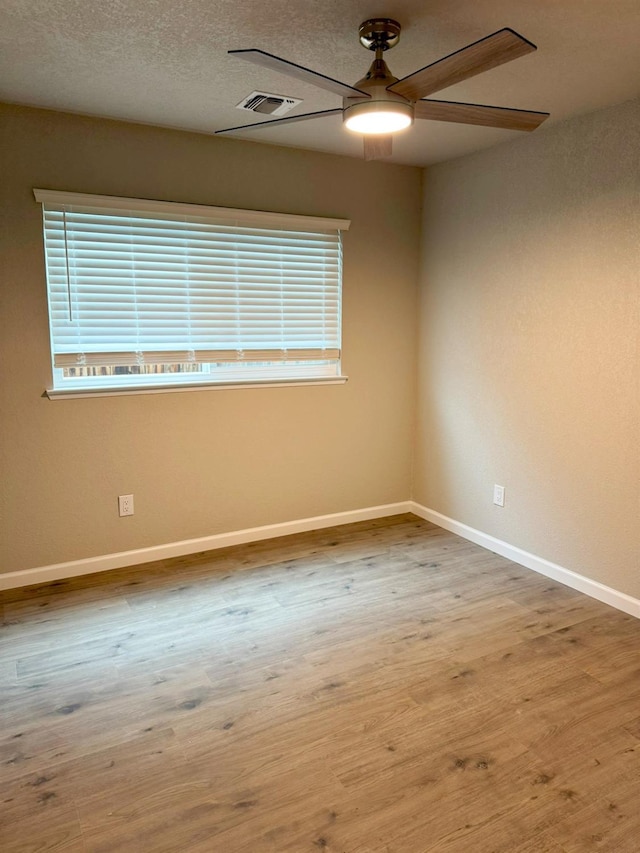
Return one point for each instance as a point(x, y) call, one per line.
point(263, 102)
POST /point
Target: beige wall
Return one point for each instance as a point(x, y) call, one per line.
point(200, 463)
point(529, 364)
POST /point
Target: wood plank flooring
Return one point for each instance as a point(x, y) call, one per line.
point(383, 687)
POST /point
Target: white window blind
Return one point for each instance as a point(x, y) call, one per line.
point(155, 291)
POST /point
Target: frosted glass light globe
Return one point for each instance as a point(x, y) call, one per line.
point(380, 121)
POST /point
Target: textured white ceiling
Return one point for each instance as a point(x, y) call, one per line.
point(163, 62)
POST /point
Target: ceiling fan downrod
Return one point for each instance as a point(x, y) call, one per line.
point(379, 35)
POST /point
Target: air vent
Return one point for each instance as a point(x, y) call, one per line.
point(263, 102)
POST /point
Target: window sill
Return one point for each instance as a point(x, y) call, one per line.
point(76, 393)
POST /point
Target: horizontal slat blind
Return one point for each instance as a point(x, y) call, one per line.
point(157, 283)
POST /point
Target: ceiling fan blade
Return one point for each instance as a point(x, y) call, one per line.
point(286, 120)
point(479, 114)
point(299, 72)
point(377, 145)
point(489, 52)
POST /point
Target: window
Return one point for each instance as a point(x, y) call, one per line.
point(146, 294)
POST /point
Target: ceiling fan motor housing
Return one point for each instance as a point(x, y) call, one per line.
point(375, 84)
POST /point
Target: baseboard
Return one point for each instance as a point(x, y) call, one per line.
point(595, 589)
point(123, 559)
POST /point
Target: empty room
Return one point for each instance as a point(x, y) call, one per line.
point(320, 426)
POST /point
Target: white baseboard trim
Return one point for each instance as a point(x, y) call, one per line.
point(123, 559)
point(595, 589)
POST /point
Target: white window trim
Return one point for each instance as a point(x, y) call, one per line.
point(79, 393)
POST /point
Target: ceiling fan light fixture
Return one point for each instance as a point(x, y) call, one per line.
point(378, 116)
point(380, 105)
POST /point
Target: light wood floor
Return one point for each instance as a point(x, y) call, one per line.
point(384, 687)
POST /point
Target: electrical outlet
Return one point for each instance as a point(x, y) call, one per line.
point(498, 495)
point(125, 504)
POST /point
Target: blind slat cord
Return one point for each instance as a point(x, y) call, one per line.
point(66, 258)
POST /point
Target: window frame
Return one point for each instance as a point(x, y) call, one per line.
point(235, 368)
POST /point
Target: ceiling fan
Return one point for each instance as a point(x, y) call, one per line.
point(379, 105)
